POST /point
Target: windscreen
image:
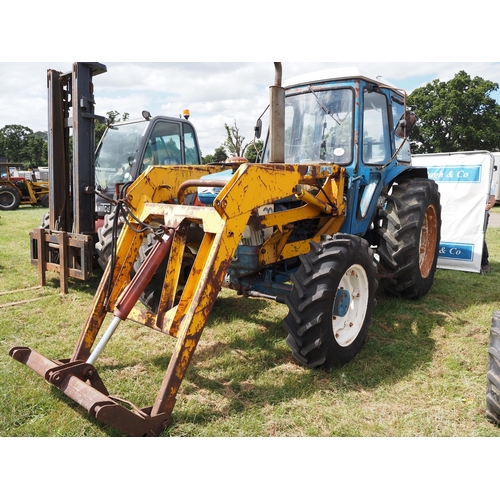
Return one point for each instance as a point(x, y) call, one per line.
point(116, 153)
point(319, 127)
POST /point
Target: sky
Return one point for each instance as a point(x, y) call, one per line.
point(202, 43)
point(216, 93)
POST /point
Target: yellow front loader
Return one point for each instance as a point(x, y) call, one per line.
point(184, 315)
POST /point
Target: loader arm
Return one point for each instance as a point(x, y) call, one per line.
point(250, 187)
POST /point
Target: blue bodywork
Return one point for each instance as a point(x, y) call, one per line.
point(347, 121)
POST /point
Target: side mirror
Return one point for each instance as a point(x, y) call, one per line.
point(258, 128)
point(405, 125)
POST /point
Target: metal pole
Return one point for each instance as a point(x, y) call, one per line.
point(277, 119)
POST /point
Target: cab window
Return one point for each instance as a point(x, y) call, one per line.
point(164, 146)
point(404, 154)
point(190, 147)
point(376, 136)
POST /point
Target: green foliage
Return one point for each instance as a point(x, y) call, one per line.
point(458, 115)
point(233, 146)
point(219, 156)
point(36, 149)
point(20, 144)
point(112, 117)
point(254, 149)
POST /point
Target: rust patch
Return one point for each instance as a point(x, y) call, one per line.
point(303, 170)
point(254, 221)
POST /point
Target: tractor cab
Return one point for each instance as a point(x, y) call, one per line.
point(128, 148)
point(341, 117)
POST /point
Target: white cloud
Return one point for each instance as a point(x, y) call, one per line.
point(214, 92)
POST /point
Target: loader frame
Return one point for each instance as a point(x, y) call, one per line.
point(251, 186)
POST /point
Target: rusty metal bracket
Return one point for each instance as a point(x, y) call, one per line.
point(74, 379)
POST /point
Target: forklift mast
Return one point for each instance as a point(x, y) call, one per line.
point(66, 245)
point(71, 174)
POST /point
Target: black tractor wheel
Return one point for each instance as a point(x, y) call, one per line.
point(10, 199)
point(332, 301)
point(104, 245)
point(44, 201)
point(409, 234)
point(493, 376)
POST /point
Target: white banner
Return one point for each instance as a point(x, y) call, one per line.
point(496, 176)
point(464, 181)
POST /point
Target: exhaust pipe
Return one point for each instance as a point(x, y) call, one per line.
point(277, 118)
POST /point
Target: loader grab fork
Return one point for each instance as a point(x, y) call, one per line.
point(79, 379)
point(250, 187)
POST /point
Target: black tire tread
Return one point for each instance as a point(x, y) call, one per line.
point(16, 197)
point(399, 237)
point(493, 374)
point(310, 301)
point(104, 245)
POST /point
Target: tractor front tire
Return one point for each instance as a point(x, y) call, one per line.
point(44, 201)
point(409, 234)
point(331, 302)
point(104, 245)
point(10, 198)
point(493, 376)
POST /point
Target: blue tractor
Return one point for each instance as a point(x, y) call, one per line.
point(387, 219)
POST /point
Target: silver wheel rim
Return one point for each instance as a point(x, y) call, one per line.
point(347, 327)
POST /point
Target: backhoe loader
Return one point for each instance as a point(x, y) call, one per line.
point(17, 189)
point(334, 207)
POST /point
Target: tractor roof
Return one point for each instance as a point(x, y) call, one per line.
point(327, 75)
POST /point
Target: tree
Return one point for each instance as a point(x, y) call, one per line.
point(234, 144)
point(254, 151)
point(13, 139)
point(112, 117)
point(458, 115)
point(234, 141)
point(20, 144)
point(36, 149)
point(219, 156)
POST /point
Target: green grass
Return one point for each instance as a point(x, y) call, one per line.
point(422, 371)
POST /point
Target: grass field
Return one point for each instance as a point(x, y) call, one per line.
point(422, 371)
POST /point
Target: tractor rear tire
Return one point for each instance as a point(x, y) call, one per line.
point(493, 376)
point(10, 198)
point(409, 235)
point(331, 302)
